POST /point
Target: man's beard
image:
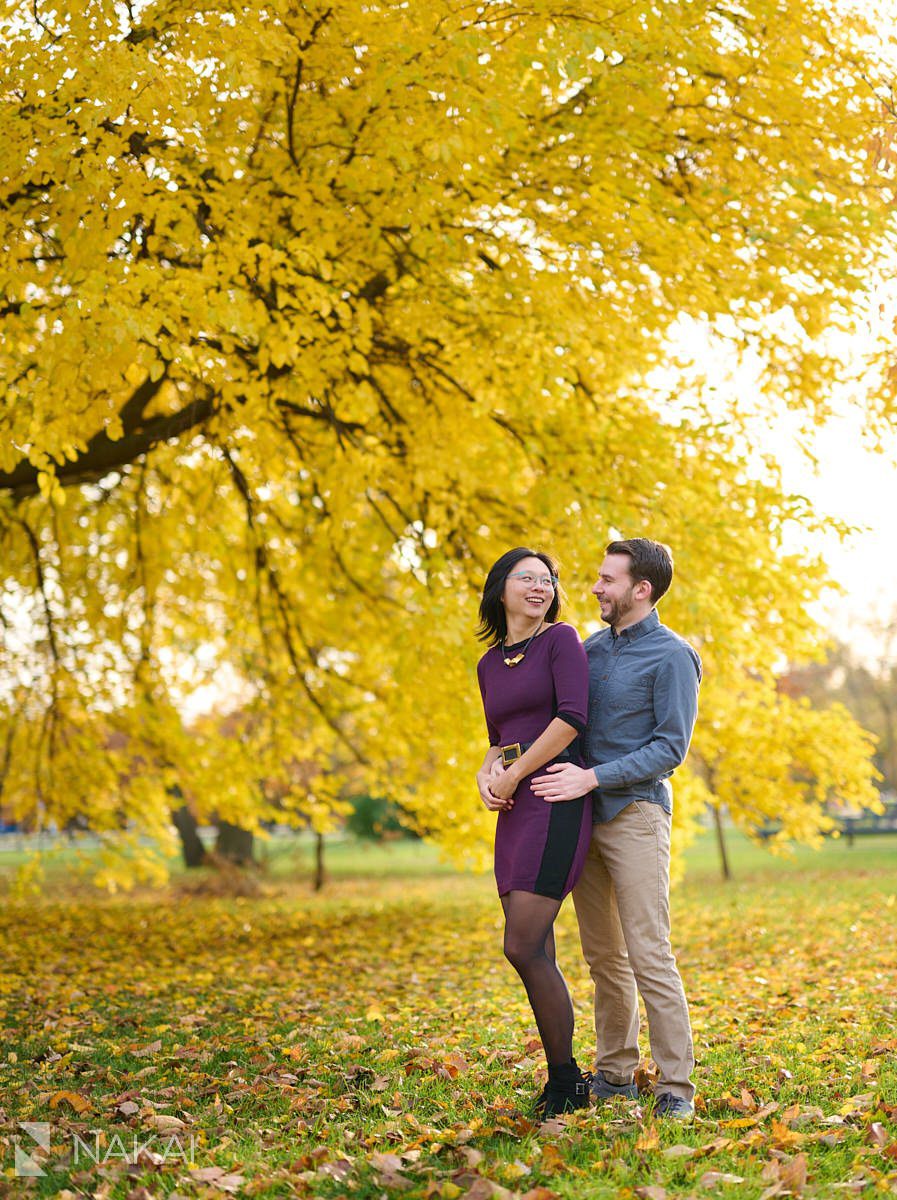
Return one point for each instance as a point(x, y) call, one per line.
point(618, 610)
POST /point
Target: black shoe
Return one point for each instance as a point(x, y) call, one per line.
point(566, 1090)
point(677, 1107)
point(603, 1089)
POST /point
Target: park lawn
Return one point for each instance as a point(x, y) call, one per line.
point(370, 1040)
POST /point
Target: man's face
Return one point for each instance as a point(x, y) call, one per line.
point(615, 589)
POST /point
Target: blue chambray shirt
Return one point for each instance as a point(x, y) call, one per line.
point(643, 701)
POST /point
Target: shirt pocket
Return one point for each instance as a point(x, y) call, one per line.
point(632, 694)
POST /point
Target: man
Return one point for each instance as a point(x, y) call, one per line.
point(643, 700)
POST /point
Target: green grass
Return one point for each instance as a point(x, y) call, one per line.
point(292, 858)
point(370, 1039)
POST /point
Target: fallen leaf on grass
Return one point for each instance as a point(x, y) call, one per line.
point(463, 1135)
point(743, 1103)
point(388, 1168)
point(831, 1138)
point(721, 1143)
point(740, 1123)
point(884, 1047)
point(338, 1170)
point(515, 1170)
point(165, 1123)
point(711, 1178)
point(794, 1174)
point(551, 1160)
point(787, 1175)
point(79, 1103)
point(784, 1138)
point(648, 1140)
point(385, 1162)
point(451, 1066)
point(149, 1159)
point(487, 1189)
point(878, 1135)
point(748, 1103)
point(681, 1151)
point(146, 1051)
point(806, 1116)
point(857, 1104)
point(881, 1139)
point(218, 1177)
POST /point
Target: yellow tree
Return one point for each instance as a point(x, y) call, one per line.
point(311, 310)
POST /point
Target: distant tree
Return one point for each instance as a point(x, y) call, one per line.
point(866, 685)
point(373, 817)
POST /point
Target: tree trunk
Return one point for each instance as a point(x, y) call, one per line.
point(234, 843)
point(191, 846)
point(319, 862)
point(721, 842)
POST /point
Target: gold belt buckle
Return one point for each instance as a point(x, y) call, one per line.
point(509, 753)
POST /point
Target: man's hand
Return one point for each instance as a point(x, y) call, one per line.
point(492, 802)
point(566, 782)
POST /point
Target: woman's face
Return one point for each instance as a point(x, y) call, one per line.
point(529, 590)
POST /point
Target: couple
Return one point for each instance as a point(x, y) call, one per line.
point(582, 741)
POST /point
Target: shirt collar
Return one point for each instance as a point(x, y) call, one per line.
point(646, 625)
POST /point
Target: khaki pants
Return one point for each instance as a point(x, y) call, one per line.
point(623, 908)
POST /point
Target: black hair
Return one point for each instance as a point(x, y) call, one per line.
point(493, 626)
point(648, 560)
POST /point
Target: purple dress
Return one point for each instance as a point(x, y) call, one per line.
point(539, 847)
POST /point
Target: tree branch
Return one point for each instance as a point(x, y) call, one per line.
point(103, 454)
point(287, 613)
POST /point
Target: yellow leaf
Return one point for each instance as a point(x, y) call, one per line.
point(79, 1103)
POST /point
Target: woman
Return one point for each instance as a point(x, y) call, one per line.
point(535, 688)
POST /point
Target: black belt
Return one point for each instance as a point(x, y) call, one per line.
point(510, 753)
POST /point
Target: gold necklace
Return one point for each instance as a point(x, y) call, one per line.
point(518, 657)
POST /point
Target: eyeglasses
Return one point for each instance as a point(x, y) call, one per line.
point(528, 580)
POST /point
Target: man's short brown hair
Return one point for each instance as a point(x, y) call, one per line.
point(647, 560)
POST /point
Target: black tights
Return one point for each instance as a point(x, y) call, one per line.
point(529, 947)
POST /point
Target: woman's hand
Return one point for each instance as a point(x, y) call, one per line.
point(504, 784)
point(492, 802)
